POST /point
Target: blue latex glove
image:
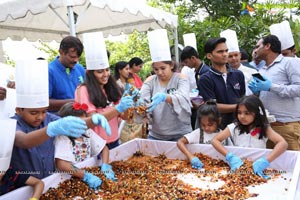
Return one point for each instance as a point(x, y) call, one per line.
point(125, 103)
point(127, 91)
point(93, 181)
point(196, 163)
point(157, 99)
point(100, 120)
point(234, 161)
point(108, 172)
point(259, 166)
point(69, 126)
point(263, 85)
point(139, 102)
point(253, 87)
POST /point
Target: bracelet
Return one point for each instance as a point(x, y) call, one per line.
point(33, 198)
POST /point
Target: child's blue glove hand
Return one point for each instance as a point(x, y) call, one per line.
point(93, 181)
point(196, 163)
point(157, 99)
point(263, 85)
point(108, 172)
point(259, 166)
point(234, 161)
point(100, 120)
point(253, 87)
point(125, 103)
point(69, 126)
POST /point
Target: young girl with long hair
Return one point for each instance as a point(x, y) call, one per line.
point(250, 129)
point(209, 120)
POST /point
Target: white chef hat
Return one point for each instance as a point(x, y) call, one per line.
point(189, 39)
point(231, 40)
point(284, 33)
point(32, 83)
point(7, 138)
point(159, 45)
point(95, 51)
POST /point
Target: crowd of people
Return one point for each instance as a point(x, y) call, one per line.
point(76, 112)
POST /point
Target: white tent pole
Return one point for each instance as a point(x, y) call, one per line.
point(1, 52)
point(176, 45)
point(71, 21)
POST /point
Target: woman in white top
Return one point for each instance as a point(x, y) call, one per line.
point(251, 129)
point(209, 120)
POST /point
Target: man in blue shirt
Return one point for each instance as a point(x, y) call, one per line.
point(222, 83)
point(65, 73)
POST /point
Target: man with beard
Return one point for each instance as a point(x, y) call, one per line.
point(279, 90)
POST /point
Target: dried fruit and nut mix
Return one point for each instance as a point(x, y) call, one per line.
point(147, 177)
point(139, 108)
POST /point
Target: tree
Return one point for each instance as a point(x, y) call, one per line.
point(226, 14)
point(248, 27)
point(135, 46)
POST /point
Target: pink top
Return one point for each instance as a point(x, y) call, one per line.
point(137, 80)
point(84, 98)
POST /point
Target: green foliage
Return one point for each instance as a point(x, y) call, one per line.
point(9, 61)
point(295, 26)
point(223, 14)
point(219, 8)
point(53, 53)
point(45, 47)
point(226, 14)
point(135, 46)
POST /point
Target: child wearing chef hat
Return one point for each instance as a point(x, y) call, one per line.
point(168, 92)
point(10, 178)
point(35, 126)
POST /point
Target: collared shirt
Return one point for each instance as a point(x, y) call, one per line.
point(37, 161)
point(283, 99)
point(213, 86)
point(260, 64)
point(202, 69)
point(62, 83)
